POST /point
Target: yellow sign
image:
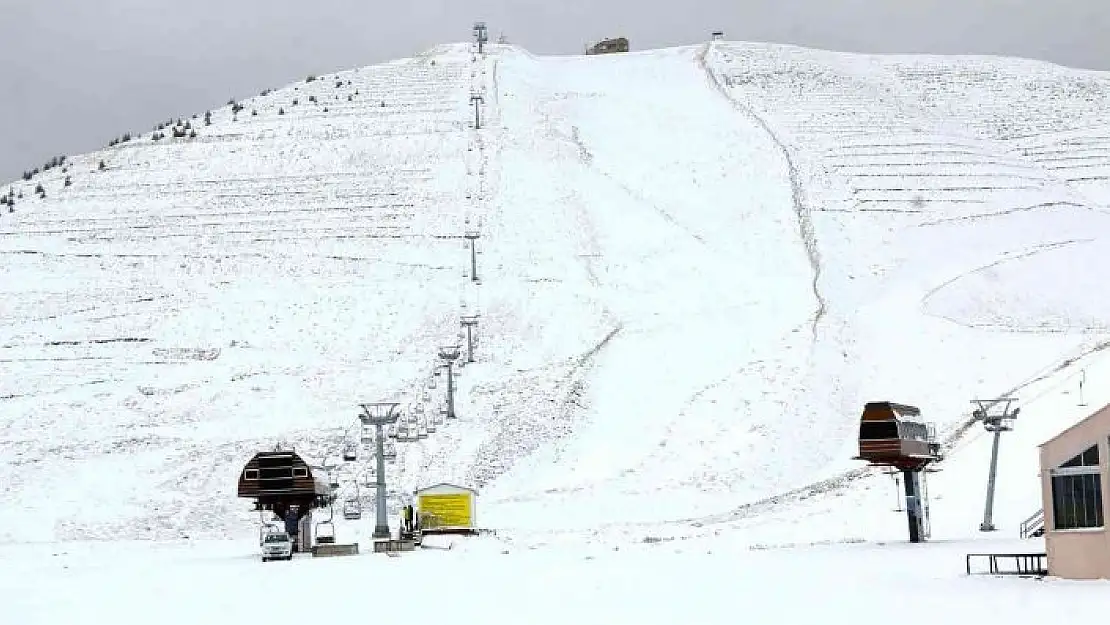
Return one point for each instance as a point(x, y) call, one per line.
point(445, 510)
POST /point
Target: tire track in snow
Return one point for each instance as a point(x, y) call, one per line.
point(801, 211)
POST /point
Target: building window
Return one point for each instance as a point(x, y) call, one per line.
point(250, 474)
point(300, 471)
point(878, 430)
point(1077, 492)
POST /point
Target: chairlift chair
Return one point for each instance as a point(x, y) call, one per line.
point(352, 509)
point(325, 537)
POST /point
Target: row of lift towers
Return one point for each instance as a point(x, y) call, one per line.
point(893, 437)
point(377, 416)
point(272, 480)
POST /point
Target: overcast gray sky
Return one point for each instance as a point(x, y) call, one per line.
point(79, 72)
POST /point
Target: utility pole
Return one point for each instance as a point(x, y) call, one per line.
point(470, 322)
point(378, 414)
point(472, 236)
point(449, 353)
point(481, 36)
point(995, 422)
point(477, 98)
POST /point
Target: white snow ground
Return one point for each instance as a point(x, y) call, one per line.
point(696, 265)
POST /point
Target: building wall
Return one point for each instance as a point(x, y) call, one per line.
point(1077, 553)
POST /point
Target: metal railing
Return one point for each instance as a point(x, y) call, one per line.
point(1034, 525)
point(1026, 564)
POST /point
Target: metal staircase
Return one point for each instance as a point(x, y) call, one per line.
point(1034, 525)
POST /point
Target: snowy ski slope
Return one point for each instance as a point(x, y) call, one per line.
point(696, 264)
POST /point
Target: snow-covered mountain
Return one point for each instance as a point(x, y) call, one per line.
point(696, 264)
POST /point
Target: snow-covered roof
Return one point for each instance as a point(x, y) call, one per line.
point(444, 485)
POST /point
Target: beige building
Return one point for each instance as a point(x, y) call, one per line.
point(1074, 483)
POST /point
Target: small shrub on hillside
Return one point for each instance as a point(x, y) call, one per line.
point(312, 98)
point(179, 132)
point(102, 166)
point(208, 118)
point(27, 175)
point(69, 181)
point(296, 101)
point(310, 78)
point(281, 111)
point(254, 112)
point(193, 134)
point(325, 109)
point(39, 189)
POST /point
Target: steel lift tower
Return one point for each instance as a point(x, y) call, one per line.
point(481, 36)
point(449, 354)
point(379, 414)
point(993, 421)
